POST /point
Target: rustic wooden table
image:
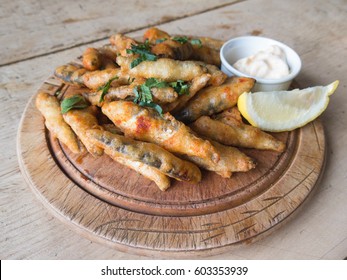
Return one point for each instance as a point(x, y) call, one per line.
point(36, 36)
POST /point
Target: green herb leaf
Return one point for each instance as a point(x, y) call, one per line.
point(144, 51)
point(136, 62)
point(137, 95)
point(144, 97)
point(181, 40)
point(196, 42)
point(153, 82)
point(74, 102)
point(180, 86)
point(185, 39)
point(106, 87)
point(158, 41)
point(152, 105)
point(146, 94)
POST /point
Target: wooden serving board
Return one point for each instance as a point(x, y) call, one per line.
point(112, 204)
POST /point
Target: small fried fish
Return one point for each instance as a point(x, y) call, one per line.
point(49, 107)
point(164, 130)
point(146, 153)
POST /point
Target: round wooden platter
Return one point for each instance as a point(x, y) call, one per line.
point(109, 203)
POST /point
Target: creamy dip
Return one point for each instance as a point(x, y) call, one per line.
point(270, 63)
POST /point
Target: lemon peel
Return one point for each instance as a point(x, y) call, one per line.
point(278, 111)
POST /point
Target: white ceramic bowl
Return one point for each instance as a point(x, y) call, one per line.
point(241, 47)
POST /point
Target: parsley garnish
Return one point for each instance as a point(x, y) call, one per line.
point(196, 42)
point(153, 105)
point(180, 86)
point(105, 88)
point(143, 94)
point(74, 102)
point(160, 40)
point(185, 39)
point(144, 97)
point(144, 51)
point(181, 40)
point(153, 82)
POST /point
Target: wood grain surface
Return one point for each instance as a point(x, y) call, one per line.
point(33, 21)
point(114, 205)
point(29, 32)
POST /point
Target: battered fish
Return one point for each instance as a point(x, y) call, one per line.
point(214, 99)
point(164, 130)
point(49, 107)
point(166, 69)
point(146, 153)
point(231, 160)
point(230, 132)
point(80, 120)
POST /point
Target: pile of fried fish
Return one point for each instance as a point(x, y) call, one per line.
point(170, 110)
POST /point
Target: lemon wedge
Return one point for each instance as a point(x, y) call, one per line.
point(285, 110)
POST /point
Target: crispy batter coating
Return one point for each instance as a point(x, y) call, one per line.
point(153, 34)
point(109, 51)
point(173, 49)
point(122, 43)
point(153, 174)
point(214, 99)
point(196, 84)
point(146, 153)
point(96, 79)
point(210, 42)
point(148, 125)
point(230, 132)
point(230, 121)
point(231, 160)
point(206, 54)
point(80, 121)
point(160, 95)
point(217, 76)
point(49, 107)
point(91, 59)
point(163, 68)
point(70, 74)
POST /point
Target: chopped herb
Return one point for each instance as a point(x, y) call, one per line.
point(185, 39)
point(158, 41)
point(153, 82)
point(144, 97)
point(181, 40)
point(196, 42)
point(143, 94)
point(180, 86)
point(144, 51)
point(74, 102)
point(152, 105)
point(136, 62)
point(106, 87)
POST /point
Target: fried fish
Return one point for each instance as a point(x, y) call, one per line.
point(80, 120)
point(146, 153)
point(214, 99)
point(164, 130)
point(49, 107)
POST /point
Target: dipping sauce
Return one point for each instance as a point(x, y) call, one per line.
point(270, 63)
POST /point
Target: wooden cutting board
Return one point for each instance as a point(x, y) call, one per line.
point(111, 204)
